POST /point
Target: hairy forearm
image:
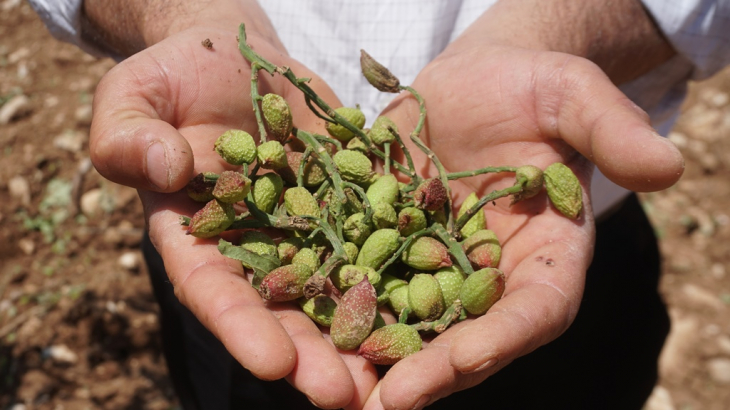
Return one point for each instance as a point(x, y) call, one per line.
point(128, 26)
point(618, 35)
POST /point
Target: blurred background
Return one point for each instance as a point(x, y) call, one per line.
point(78, 324)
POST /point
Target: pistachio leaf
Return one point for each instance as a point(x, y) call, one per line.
point(261, 264)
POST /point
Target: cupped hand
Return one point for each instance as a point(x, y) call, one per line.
point(492, 105)
point(156, 118)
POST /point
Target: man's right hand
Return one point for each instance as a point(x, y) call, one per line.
point(156, 118)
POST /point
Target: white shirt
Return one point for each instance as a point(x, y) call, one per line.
point(404, 35)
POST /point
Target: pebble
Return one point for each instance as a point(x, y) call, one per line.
point(83, 114)
point(129, 261)
point(19, 54)
point(679, 139)
point(700, 296)
point(660, 399)
point(681, 339)
point(61, 354)
point(7, 6)
point(723, 343)
point(16, 106)
point(91, 202)
point(27, 246)
point(718, 271)
point(19, 189)
point(51, 101)
point(71, 141)
point(719, 369)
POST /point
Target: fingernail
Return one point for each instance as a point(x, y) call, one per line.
point(489, 363)
point(422, 402)
point(158, 171)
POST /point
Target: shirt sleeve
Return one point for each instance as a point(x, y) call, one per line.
point(63, 20)
point(698, 30)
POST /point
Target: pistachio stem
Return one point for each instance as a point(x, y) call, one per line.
point(256, 98)
point(302, 164)
point(454, 248)
point(310, 95)
point(426, 150)
point(407, 154)
point(440, 325)
point(365, 201)
point(403, 316)
point(386, 164)
point(406, 243)
point(329, 164)
point(464, 174)
point(494, 195)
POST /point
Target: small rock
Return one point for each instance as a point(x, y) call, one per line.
point(22, 70)
point(660, 399)
point(19, 54)
point(83, 114)
point(19, 189)
point(7, 6)
point(719, 370)
point(61, 354)
point(129, 261)
point(723, 342)
point(679, 139)
point(682, 339)
point(51, 101)
point(29, 330)
point(17, 106)
point(91, 202)
point(27, 246)
point(718, 271)
point(71, 141)
point(711, 330)
point(703, 297)
point(34, 384)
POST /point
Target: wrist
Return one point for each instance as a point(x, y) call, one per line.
point(619, 36)
point(129, 26)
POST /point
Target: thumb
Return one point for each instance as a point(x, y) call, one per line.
point(599, 121)
point(130, 143)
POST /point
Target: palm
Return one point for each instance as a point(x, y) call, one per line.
point(184, 95)
point(505, 119)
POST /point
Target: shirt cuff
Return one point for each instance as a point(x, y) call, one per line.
point(63, 20)
point(698, 31)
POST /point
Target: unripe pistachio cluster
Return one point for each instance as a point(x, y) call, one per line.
point(358, 239)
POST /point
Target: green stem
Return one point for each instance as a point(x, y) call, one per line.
point(365, 201)
point(406, 243)
point(430, 154)
point(439, 326)
point(464, 174)
point(406, 153)
point(494, 195)
point(454, 248)
point(302, 165)
point(329, 164)
point(256, 98)
point(310, 95)
point(386, 165)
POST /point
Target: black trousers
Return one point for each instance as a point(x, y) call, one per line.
point(606, 360)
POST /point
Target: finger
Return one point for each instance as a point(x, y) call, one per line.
point(214, 289)
point(364, 376)
point(544, 289)
point(422, 378)
point(586, 110)
point(373, 401)
point(320, 373)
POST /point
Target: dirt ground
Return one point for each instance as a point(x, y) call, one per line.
point(78, 324)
